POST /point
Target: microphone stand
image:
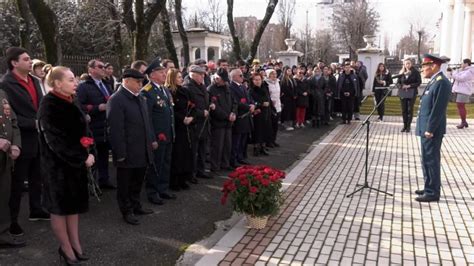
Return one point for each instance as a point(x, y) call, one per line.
point(366, 122)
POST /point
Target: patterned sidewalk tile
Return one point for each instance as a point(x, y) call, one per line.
point(320, 225)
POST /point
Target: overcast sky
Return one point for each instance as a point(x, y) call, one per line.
point(395, 15)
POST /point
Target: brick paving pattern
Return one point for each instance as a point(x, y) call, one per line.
point(320, 225)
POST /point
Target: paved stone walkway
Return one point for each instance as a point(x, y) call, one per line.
point(320, 225)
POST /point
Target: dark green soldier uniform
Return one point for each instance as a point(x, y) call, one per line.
point(10, 132)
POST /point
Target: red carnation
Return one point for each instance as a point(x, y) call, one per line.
point(89, 107)
point(86, 142)
point(191, 104)
point(253, 190)
point(243, 100)
point(161, 137)
point(265, 182)
point(214, 99)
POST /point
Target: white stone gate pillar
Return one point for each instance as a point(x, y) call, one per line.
point(467, 36)
point(458, 25)
point(446, 29)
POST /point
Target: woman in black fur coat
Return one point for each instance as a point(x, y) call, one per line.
point(262, 123)
point(65, 160)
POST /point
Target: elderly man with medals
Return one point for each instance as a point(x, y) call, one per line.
point(160, 110)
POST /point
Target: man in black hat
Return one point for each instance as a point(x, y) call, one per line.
point(130, 136)
point(160, 110)
point(431, 126)
point(200, 98)
point(222, 118)
point(203, 64)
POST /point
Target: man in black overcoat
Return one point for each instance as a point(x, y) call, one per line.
point(200, 98)
point(24, 94)
point(130, 138)
point(222, 118)
point(243, 123)
point(347, 89)
point(93, 95)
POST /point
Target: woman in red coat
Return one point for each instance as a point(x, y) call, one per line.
point(65, 158)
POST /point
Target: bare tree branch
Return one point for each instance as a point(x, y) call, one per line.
point(230, 21)
point(261, 28)
point(182, 31)
point(165, 21)
point(48, 26)
point(354, 20)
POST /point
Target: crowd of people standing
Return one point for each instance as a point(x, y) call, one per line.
point(161, 124)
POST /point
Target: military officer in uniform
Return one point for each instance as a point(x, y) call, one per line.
point(431, 126)
point(160, 110)
point(10, 143)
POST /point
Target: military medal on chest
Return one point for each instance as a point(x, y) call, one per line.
point(160, 102)
point(3, 131)
point(4, 117)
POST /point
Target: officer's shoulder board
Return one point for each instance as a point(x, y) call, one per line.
point(439, 78)
point(147, 87)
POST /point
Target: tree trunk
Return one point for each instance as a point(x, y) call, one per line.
point(139, 24)
point(182, 31)
point(419, 46)
point(165, 21)
point(230, 21)
point(118, 47)
point(261, 28)
point(25, 30)
point(47, 24)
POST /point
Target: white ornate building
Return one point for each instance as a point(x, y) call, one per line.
point(456, 39)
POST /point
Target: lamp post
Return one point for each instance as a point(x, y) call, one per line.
point(420, 33)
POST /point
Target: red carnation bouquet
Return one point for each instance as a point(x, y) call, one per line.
point(254, 190)
point(94, 188)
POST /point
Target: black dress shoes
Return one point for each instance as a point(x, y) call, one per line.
point(204, 176)
point(130, 218)
point(156, 201)
point(184, 186)
point(107, 185)
point(142, 211)
point(228, 168)
point(427, 198)
point(193, 180)
point(167, 195)
point(80, 257)
point(420, 192)
point(8, 240)
point(245, 162)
